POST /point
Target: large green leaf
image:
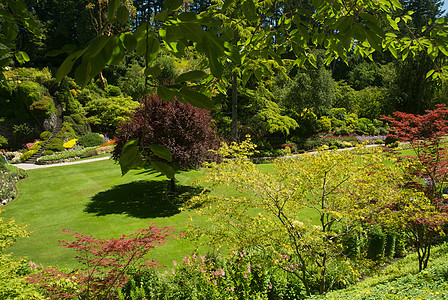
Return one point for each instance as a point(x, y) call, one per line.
point(163, 168)
point(82, 73)
point(67, 65)
point(213, 54)
point(249, 9)
point(22, 57)
point(173, 5)
point(113, 5)
point(153, 71)
point(191, 76)
point(97, 65)
point(96, 46)
point(131, 157)
point(195, 98)
point(11, 30)
point(162, 152)
point(153, 49)
point(192, 31)
point(227, 4)
point(129, 41)
point(167, 94)
point(123, 14)
point(18, 8)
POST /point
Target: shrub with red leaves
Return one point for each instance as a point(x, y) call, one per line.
point(104, 261)
point(427, 172)
point(186, 131)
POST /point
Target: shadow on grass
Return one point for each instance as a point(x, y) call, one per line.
point(141, 199)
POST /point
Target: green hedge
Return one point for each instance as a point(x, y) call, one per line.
point(91, 140)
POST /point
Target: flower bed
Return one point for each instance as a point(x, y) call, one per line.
point(66, 156)
point(63, 155)
point(9, 176)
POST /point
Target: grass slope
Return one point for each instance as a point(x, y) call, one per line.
point(94, 199)
point(402, 281)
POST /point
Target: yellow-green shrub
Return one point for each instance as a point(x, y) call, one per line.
point(25, 156)
point(70, 144)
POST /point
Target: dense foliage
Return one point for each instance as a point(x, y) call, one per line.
point(186, 131)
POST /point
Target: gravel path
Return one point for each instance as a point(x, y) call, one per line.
point(33, 166)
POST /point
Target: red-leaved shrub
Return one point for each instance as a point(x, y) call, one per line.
point(105, 262)
point(186, 131)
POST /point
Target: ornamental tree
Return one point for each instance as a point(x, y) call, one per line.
point(157, 126)
point(271, 211)
point(105, 262)
point(427, 173)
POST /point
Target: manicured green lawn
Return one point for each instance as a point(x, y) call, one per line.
point(93, 198)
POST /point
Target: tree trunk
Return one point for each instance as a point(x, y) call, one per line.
point(234, 107)
point(173, 185)
point(103, 81)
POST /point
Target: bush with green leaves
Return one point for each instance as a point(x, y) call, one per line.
point(3, 141)
point(48, 152)
point(239, 275)
point(79, 123)
point(324, 124)
point(113, 91)
point(35, 98)
point(91, 140)
point(27, 155)
point(28, 92)
point(401, 280)
point(12, 270)
point(64, 155)
point(105, 114)
point(22, 130)
point(45, 135)
point(67, 132)
point(55, 144)
point(37, 145)
point(43, 107)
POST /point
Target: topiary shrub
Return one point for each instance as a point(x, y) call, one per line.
point(79, 123)
point(37, 145)
point(25, 156)
point(43, 107)
point(89, 153)
point(67, 132)
point(45, 135)
point(55, 145)
point(70, 144)
point(324, 124)
point(91, 140)
point(48, 152)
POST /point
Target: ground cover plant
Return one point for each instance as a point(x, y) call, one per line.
point(402, 280)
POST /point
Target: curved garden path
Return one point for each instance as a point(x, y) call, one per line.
point(25, 166)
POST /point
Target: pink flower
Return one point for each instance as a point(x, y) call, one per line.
point(174, 263)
